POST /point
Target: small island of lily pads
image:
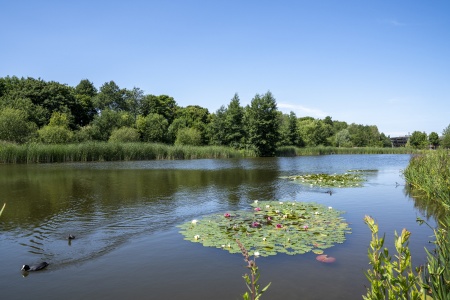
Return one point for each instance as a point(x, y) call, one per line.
point(271, 227)
point(353, 179)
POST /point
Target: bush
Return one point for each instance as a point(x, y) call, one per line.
point(14, 126)
point(55, 135)
point(124, 134)
point(188, 136)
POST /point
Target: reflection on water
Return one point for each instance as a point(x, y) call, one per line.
point(109, 205)
point(429, 208)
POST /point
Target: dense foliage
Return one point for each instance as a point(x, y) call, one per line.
point(111, 113)
point(429, 174)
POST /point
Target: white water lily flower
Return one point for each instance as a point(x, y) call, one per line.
point(256, 253)
point(196, 236)
point(329, 207)
point(281, 203)
point(264, 239)
point(277, 211)
point(316, 213)
point(256, 201)
point(267, 206)
point(194, 222)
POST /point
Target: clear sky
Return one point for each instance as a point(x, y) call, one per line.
point(383, 62)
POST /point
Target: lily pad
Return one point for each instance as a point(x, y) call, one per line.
point(271, 227)
point(326, 180)
point(325, 258)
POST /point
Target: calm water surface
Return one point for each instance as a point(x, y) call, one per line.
point(124, 217)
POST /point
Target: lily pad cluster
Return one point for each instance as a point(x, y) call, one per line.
point(327, 180)
point(271, 227)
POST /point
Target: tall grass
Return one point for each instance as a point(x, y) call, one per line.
point(322, 150)
point(106, 151)
point(429, 173)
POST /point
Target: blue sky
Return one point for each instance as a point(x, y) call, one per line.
point(384, 63)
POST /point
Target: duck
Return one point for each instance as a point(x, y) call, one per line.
point(38, 267)
point(70, 237)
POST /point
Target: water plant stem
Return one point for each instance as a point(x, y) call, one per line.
point(252, 280)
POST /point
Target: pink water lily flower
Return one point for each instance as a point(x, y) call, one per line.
point(257, 209)
point(269, 218)
point(227, 215)
point(279, 226)
point(255, 224)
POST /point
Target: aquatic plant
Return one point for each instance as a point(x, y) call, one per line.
point(252, 280)
point(105, 151)
point(391, 279)
point(429, 175)
point(327, 180)
point(271, 227)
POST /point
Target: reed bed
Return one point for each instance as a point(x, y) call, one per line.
point(322, 150)
point(429, 173)
point(105, 151)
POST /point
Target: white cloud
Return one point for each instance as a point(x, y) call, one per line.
point(301, 111)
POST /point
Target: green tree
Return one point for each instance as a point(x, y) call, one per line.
point(283, 130)
point(40, 99)
point(293, 130)
point(234, 127)
point(188, 136)
point(176, 125)
point(385, 140)
point(14, 126)
point(314, 132)
point(446, 137)
point(104, 123)
point(217, 131)
point(433, 138)
point(263, 124)
point(124, 135)
point(198, 118)
point(85, 93)
point(364, 135)
point(152, 128)
point(133, 100)
point(111, 97)
point(342, 138)
point(418, 140)
point(163, 105)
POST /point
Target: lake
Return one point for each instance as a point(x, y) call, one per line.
point(124, 217)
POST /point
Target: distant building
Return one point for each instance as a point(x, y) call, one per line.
point(399, 141)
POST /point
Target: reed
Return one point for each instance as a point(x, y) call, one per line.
point(429, 174)
point(107, 151)
point(323, 150)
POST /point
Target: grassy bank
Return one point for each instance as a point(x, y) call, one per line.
point(429, 173)
point(321, 150)
point(103, 151)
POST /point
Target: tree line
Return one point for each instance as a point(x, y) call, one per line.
point(34, 110)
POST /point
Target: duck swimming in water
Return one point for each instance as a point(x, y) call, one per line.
point(70, 237)
point(38, 267)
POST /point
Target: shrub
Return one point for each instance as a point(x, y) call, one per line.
point(55, 135)
point(124, 134)
point(14, 126)
point(188, 136)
